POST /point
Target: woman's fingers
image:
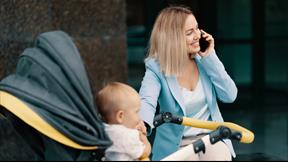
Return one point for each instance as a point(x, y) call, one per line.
point(210, 39)
point(206, 35)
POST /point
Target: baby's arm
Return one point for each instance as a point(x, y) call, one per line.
point(142, 133)
point(147, 149)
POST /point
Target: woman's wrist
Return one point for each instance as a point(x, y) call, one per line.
point(207, 53)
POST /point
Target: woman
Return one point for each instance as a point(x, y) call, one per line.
point(185, 82)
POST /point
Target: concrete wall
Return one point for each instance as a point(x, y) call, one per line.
point(97, 26)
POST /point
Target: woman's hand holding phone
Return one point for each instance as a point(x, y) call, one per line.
point(206, 44)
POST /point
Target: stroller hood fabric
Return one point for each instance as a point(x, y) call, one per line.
point(51, 79)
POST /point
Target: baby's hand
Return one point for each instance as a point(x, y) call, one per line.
point(141, 128)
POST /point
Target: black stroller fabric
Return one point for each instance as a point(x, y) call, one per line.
point(51, 79)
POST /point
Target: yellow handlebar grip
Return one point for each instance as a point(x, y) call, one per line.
point(247, 136)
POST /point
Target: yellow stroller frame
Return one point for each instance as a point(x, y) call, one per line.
point(23, 112)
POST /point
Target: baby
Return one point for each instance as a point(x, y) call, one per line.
point(119, 106)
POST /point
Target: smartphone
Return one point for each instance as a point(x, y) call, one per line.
point(203, 43)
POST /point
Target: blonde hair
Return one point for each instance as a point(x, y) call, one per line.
point(167, 42)
point(113, 97)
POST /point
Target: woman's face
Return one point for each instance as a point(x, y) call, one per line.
point(192, 34)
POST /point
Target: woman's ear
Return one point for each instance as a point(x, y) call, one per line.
point(120, 116)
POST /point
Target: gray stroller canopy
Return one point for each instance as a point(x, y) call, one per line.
point(51, 80)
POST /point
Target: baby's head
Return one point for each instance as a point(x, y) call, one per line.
point(119, 103)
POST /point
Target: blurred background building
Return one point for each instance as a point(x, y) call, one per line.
point(251, 37)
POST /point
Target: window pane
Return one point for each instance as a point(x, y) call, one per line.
point(276, 64)
point(276, 18)
point(234, 19)
point(237, 61)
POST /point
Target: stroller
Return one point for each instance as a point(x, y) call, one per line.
point(50, 103)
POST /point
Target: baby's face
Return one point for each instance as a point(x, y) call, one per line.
point(131, 114)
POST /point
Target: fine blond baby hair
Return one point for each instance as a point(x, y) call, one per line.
point(113, 97)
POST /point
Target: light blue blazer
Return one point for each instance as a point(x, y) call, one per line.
point(156, 87)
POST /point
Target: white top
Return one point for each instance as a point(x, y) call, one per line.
point(126, 143)
point(196, 107)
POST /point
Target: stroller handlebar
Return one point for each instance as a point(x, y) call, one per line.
point(166, 117)
point(237, 132)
